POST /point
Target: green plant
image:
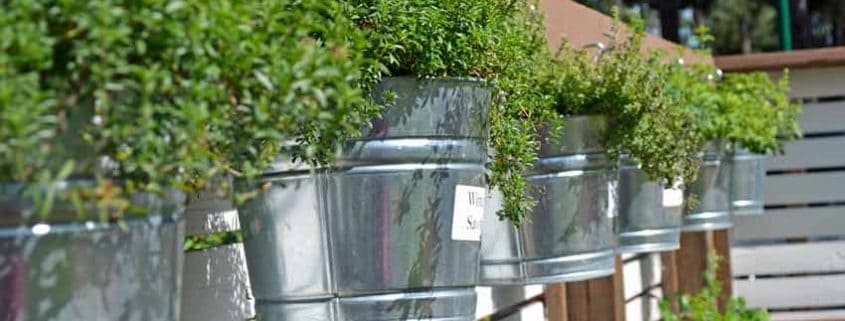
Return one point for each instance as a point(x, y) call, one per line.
point(495, 40)
point(629, 89)
point(761, 111)
point(147, 96)
point(703, 306)
point(745, 109)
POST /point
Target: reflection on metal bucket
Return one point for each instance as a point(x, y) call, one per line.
point(643, 224)
point(374, 237)
point(71, 269)
point(748, 175)
point(570, 236)
point(710, 192)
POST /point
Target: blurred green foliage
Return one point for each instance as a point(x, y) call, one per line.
point(746, 109)
point(704, 306)
point(160, 94)
point(195, 243)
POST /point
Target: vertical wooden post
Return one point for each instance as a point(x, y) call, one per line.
point(722, 246)
point(691, 261)
point(683, 269)
point(599, 299)
point(578, 301)
point(619, 290)
point(556, 302)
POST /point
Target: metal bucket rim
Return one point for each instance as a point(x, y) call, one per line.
point(435, 79)
point(88, 226)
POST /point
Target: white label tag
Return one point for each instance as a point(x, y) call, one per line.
point(673, 197)
point(468, 213)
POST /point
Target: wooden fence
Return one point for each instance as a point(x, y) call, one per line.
point(791, 260)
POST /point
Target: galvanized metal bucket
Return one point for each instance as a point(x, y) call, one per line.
point(710, 193)
point(392, 231)
point(748, 175)
point(570, 235)
point(643, 224)
point(63, 268)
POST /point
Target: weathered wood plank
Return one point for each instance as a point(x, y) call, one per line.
point(791, 222)
point(805, 188)
point(556, 302)
point(691, 261)
point(814, 257)
point(811, 153)
point(669, 275)
point(722, 248)
point(793, 292)
point(216, 285)
point(577, 301)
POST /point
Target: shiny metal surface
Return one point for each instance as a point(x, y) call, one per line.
point(643, 225)
point(86, 270)
point(570, 235)
point(748, 180)
point(710, 192)
point(370, 238)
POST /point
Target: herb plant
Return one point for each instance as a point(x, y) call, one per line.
point(746, 109)
point(494, 40)
point(161, 94)
point(629, 89)
point(703, 306)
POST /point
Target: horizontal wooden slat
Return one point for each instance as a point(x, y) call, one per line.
point(215, 285)
point(823, 117)
point(814, 257)
point(803, 58)
point(793, 222)
point(823, 315)
point(804, 188)
point(640, 275)
point(811, 153)
point(793, 292)
point(816, 82)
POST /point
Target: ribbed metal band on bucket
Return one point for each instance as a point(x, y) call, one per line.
point(60, 269)
point(643, 225)
point(748, 175)
point(372, 237)
point(448, 304)
point(569, 236)
point(710, 192)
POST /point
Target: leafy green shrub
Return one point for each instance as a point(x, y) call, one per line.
point(629, 89)
point(703, 306)
point(761, 111)
point(746, 109)
point(495, 40)
point(161, 94)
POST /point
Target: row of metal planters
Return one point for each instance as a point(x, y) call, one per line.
point(401, 227)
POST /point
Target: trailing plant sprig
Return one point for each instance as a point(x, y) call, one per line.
point(499, 41)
